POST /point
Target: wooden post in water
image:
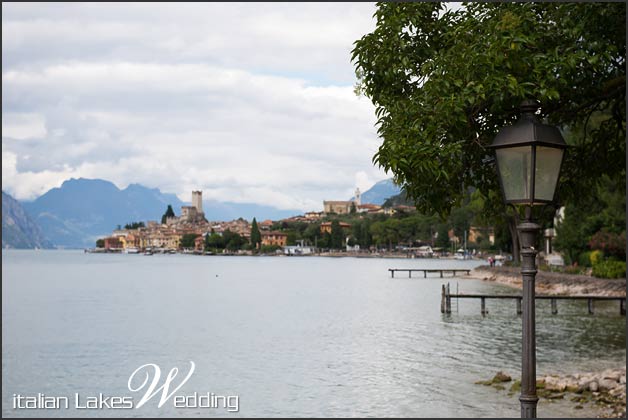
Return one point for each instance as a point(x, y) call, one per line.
point(442, 300)
point(590, 304)
point(441, 274)
point(448, 300)
point(409, 274)
point(622, 307)
point(554, 306)
point(518, 306)
point(484, 311)
point(425, 275)
point(392, 273)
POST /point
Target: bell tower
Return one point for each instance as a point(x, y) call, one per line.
point(197, 200)
point(358, 198)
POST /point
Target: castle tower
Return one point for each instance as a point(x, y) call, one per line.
point(197, 201)
point(357, 200)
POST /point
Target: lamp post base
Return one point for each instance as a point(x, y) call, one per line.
point(528, 233)
point(528, 406)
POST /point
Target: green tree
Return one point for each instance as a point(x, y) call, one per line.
point(187, 240)
point(365, 237)
point(442, 238)
point(337, 235)
point(596, 221)
point(169, 213)
point(436, 112)
point(214, 241)
point(100, 243)
point(353, 208)
point(134, 225)
point(256, 236)
point(235, 242)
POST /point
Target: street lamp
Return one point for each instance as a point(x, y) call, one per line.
point(529, 157)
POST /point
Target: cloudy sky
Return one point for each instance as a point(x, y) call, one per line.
point(249, 102)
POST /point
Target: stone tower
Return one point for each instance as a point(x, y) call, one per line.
point(357, 199)
point(197, 201)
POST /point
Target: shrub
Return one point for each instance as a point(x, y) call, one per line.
point(611, 243)
point(584, 259)
point(596, 257)
point(610, 270)
point(269, 249)
point(572, 269)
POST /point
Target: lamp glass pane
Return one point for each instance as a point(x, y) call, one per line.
point(548, 161)
point(515, 170)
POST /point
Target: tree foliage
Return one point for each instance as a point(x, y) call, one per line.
point(169, 213)
point(256, 236)
point(596, 221)
point(337, 235)
point(444, 81)
point(187, 240)
point(134, 225)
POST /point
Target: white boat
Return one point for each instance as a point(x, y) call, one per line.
point(131, 251)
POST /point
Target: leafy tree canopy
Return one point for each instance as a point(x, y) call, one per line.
point(187, 240)
point(169, 213)
point(134, 225)
point(444, 81)
point(256, 236)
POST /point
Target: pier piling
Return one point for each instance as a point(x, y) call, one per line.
point(518, 306)
point(441, 271)
point(447, 295)
point(554, 306)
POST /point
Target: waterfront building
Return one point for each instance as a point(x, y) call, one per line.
point(113, 243)
point(298, 250)
point(326, 226)
point(274, 238)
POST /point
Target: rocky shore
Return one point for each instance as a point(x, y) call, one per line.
point(604, 392)
point(551, 283)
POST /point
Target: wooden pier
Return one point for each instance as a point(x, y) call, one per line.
point(430, 270)
point(446, 295)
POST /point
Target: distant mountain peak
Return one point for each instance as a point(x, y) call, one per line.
point(380, 192)
point(18, 228)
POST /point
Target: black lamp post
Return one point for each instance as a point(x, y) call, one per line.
point(529, 157)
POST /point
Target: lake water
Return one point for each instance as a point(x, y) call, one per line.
point(290, 336)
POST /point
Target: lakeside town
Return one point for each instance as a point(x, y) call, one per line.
point(193, 130)
point(342, 228)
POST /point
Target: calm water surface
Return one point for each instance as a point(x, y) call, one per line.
point(291, 336)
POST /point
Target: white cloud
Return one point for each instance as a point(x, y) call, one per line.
point(22, 126)
point(251, 103)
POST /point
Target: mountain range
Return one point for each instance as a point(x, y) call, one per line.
point(380, 192)
point(82, 210)
point(18, 228)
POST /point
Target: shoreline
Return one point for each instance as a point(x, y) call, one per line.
point(552, 283)
point(600, 392)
